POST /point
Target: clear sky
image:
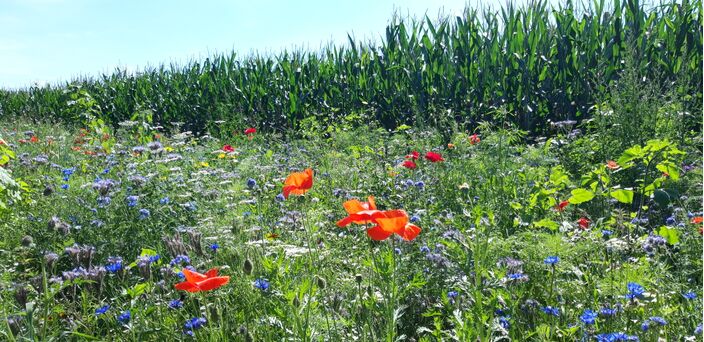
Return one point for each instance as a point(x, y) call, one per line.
point(49, 41)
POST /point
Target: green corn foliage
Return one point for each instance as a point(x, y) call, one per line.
point(538, 62)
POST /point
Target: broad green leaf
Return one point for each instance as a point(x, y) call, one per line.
point(623, 195)
point(580, 196)
point(670, 169)
point(670, 234)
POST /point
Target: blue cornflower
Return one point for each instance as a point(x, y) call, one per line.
point(214, 247)
point(452, 294)
point(657, 319)
point(64, 186)
point(551, 311)
point(165, 200)
point(175, 304)
point(551, 260)
point(608, 312)
point(615, 336)
point(124, 317)
point(194, 323)
point(516, 276)
point(144, 213)
point(114, 264)
point(634, 290)
point(420, 185)
point(588, 317)
point(415, 218)
point(154, 258)
point(409, 182)
point(261, 284)
point(132, 201)
point(101, 310)
point(605, 233)
point(645, 326)
point(503, 321)
point(68, 172)
point(251, 183)
point(425, 249)
point(397, 251)
point(690, 295)
point(280, 198)
point(698, 329)
point(106, 170)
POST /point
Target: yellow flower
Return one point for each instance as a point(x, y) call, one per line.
point(221, 156)
point(169, 149)
point(204, 164)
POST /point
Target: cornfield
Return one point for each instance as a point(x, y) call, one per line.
point(539, 63)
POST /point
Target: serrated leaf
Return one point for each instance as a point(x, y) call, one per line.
point(580, 196)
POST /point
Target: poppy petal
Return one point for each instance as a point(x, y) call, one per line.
point(213, 272)
point(353, 206)
point(410, 232)
point(213, 283)
point(372, 203)
point(344, 222)
point(378, 234)
point(186, 286)
point(193, 277)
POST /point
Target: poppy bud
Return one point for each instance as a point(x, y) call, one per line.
point(358, 278)
point(27, 241)
point(321, 282)
point(247, 268)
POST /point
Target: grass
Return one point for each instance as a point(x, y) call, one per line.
point(479, 268)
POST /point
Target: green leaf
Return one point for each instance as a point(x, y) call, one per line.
point(623, 195)
point(670, 234)
point(580, 196)
point(670, 169)
point(546, 223)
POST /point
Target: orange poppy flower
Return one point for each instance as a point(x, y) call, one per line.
point(697, 219)
point(360, 212)
point(612, 165)
point(298, 183)
point(34, 139)
point(393, 221)
point(474, 139)
point(196, 282)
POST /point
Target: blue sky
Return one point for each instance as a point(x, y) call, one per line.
point(48, 41)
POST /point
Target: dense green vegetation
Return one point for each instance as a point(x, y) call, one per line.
point(541, 64)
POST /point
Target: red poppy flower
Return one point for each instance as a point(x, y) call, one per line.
point(360, 212)
point(583, 222)
point(409, 164)
point(196, 282)
point(474, 139)
point(433, 157)
point(414, 155)
point(393, 222)
point(34, 139)
point(228, 148)
point(612, 165)
point(298, 183)
point(697, 220)
point(250, 131)
point(561, 206)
